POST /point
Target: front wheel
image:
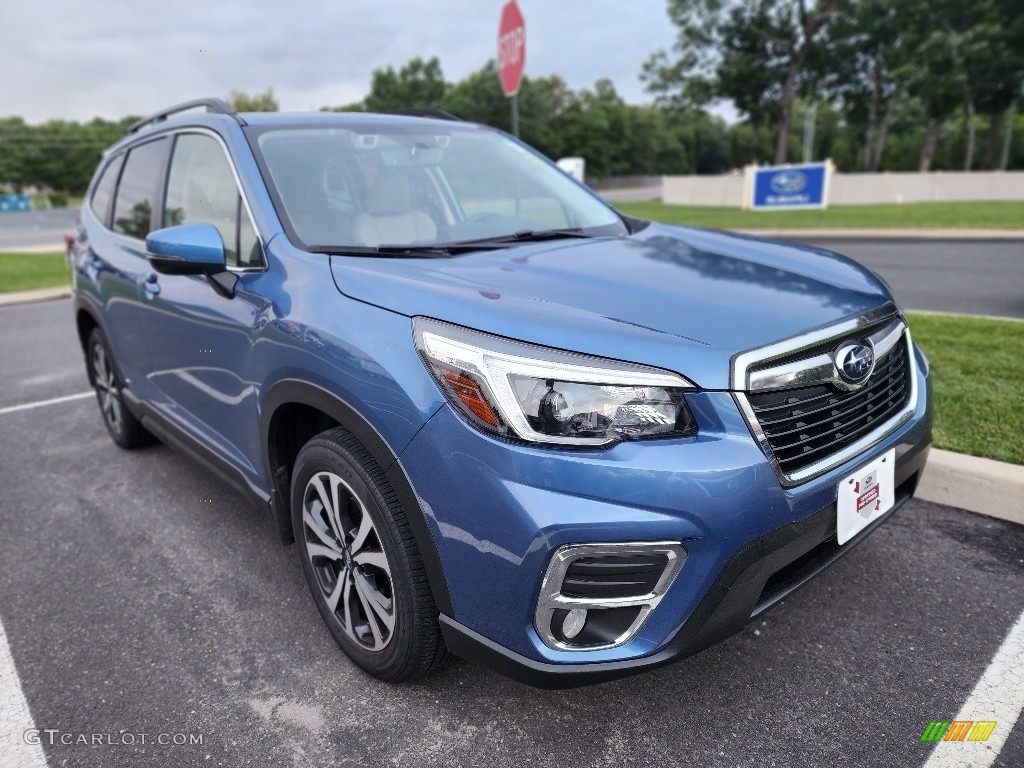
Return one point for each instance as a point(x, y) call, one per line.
point(361, 561)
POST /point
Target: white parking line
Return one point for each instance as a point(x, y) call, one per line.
point(999, 696)
point(15, 717)
point(43, 403)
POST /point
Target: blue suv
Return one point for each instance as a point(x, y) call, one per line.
point(497, 417)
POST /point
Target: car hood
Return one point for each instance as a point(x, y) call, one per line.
point(682, 299)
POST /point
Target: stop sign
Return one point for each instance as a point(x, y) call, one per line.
point(511, 48)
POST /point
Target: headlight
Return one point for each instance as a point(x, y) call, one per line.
point(549, 396)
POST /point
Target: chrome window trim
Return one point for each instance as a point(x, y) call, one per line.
point(551, 598)
point(884, 341)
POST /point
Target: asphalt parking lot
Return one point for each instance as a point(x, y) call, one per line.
point(139, 595)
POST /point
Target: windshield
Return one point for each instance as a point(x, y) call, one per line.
point(404, 185)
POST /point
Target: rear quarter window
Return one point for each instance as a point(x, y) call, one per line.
point(103, 192)
point(137, 191)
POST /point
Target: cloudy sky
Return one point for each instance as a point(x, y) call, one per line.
point(110, 58)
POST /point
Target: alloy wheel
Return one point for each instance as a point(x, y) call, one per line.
point(349, 563)
point(105, 382)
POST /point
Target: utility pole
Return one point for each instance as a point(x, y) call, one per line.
point(1011, 117)
point(810, 123)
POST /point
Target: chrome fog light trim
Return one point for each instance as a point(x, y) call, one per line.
point(552, 599)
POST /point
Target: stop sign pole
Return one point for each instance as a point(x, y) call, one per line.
point(511, 56)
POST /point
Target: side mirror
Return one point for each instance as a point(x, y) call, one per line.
point(189, 249)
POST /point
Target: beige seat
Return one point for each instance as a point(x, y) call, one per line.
point(389, 217)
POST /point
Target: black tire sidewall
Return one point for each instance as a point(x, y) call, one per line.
point(322, 455)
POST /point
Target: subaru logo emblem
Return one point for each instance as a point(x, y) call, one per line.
point(788, 182)
point(854, 362)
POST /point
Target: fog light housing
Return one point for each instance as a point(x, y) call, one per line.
point(600, 595)
point(574, 622)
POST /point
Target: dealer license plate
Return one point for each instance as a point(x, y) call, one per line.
point(865, 496)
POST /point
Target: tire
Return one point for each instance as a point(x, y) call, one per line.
point(105, 377)
point(361, 560)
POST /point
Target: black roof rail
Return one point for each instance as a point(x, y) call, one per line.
point(212, 105)
point(437, 114)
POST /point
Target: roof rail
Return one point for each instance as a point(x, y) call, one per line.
point(437, 114)
point(212, 105)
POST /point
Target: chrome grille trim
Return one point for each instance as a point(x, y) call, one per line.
point(821, 368)
point(884, 341)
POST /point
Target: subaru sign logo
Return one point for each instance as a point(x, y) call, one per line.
point(854, 362)
point(787, 186)
point(788, 182)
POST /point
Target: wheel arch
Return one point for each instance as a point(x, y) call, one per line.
point(292, 412)
point(85, 321)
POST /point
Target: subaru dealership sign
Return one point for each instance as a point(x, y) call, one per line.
point(15, 203)
point(787, 186)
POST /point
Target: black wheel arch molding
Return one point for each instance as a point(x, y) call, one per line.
point(292, 391)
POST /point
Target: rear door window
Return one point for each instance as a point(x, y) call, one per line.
point(136, 194)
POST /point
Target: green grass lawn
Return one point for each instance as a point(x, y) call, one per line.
point(25, 271)
point(973, 215)
point(977, 370)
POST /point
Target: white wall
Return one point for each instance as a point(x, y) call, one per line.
point(702, 190)
point(860, 188)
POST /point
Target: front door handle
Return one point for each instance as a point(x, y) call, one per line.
point(151, 285)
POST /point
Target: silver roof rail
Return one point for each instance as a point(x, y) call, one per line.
point(216, 105)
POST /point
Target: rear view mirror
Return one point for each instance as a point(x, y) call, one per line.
point(189, 249)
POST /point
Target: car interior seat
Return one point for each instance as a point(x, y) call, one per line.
point(389, 217)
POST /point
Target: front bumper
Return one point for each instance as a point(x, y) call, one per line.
point(762, 573)
point(498, 510)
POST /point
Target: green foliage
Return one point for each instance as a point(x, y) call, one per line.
point(951, 59)
point(417, 84)
point(898, 85)
point(257, 102)
point(58, 154)
point(617, 139)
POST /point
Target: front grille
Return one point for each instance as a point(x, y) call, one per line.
point(807, 424)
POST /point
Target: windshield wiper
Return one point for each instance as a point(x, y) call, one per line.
point(387, 251)
point(442, 250)
point(525, 236)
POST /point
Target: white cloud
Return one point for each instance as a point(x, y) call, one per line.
point(111, 58)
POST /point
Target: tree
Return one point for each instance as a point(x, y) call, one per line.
point(258, 102)
point(418, 83)
point(860, 65)
point(750, 71)
point(478, 97)
point(783, 34)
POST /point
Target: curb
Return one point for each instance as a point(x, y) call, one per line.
point(40, 294)
point(988, 487)
point(55, 248)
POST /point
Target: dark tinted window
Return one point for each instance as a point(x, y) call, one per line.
point(103, 194)
point(136, 193)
